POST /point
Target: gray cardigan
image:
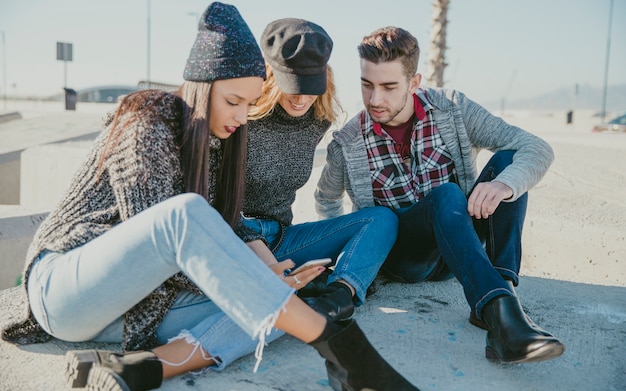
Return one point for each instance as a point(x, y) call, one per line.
point(466, 128)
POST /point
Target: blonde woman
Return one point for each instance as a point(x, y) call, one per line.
point(297, 106)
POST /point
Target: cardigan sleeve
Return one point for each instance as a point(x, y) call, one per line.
point(533, 156)
point(247, 234)
point(144, 167)
point(330, 187)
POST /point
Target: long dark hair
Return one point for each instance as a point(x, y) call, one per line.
point(194, 144)
point(195, 153)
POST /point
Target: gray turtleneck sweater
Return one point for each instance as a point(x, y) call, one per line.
point(280, 159)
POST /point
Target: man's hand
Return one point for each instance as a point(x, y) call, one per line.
point(486, 197)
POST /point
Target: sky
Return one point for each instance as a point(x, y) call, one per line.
point(496, 49)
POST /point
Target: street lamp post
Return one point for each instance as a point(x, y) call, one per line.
point(149, 15)
point(506, 92)
point(5, 86)
point(606, 63)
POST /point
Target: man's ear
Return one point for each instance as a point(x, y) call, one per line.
point(415, 81)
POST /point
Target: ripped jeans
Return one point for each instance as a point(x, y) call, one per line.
point(83, 294)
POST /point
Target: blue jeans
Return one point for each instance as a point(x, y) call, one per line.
point(82, 294)
point(357, 242)
point(480, 253)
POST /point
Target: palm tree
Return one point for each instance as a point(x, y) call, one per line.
point(437, 52)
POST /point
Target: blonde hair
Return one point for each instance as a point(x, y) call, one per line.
point(326, 106)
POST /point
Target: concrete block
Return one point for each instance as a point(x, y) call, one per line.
point(10, 178)
point(17, 227)
point(46, 172)
point(5, 117)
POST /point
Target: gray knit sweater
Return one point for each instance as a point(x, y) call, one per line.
point(466, 128)
point(281, 149)
point(143, 170)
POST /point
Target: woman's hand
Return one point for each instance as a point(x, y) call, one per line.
point(298, 280)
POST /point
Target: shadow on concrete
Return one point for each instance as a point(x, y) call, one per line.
point(421, 329)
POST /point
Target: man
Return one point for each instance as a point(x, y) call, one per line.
point(413, 150)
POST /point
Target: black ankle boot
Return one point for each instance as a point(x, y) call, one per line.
point(335, 302)
point(104, 370)
point(511, 339)
point(315, 287)
point(353, 364)
point(473, 319)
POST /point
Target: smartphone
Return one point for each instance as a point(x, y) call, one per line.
point(310, 264)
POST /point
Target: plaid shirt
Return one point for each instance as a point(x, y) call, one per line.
point(395, 183)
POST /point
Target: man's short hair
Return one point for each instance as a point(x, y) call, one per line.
point(388, 44)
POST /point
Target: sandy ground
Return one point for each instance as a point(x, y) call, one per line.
point(576, 224)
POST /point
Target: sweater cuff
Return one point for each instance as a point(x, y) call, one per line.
point(247, 234)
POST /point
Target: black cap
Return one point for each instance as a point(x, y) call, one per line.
point(298, 51)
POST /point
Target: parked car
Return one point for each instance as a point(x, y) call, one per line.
point(615, 125)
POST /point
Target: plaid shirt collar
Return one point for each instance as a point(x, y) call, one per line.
point(397, 184)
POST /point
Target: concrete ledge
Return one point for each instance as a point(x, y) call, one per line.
point(5, 117)
point(10, 178)
point(17, 227)
point(47, 170)
point(21, 171)
point(421, 329)
point(33, 130)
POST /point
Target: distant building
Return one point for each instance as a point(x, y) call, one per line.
point(112, 93)
point(104, 94)
point(159, 86)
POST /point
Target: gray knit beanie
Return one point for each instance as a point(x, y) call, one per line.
point(224, 48)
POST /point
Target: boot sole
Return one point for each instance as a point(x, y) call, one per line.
point(79, 364)
point(104, 379)
point(543, 353)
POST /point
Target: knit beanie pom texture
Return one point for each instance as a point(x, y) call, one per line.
point(224, 48)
